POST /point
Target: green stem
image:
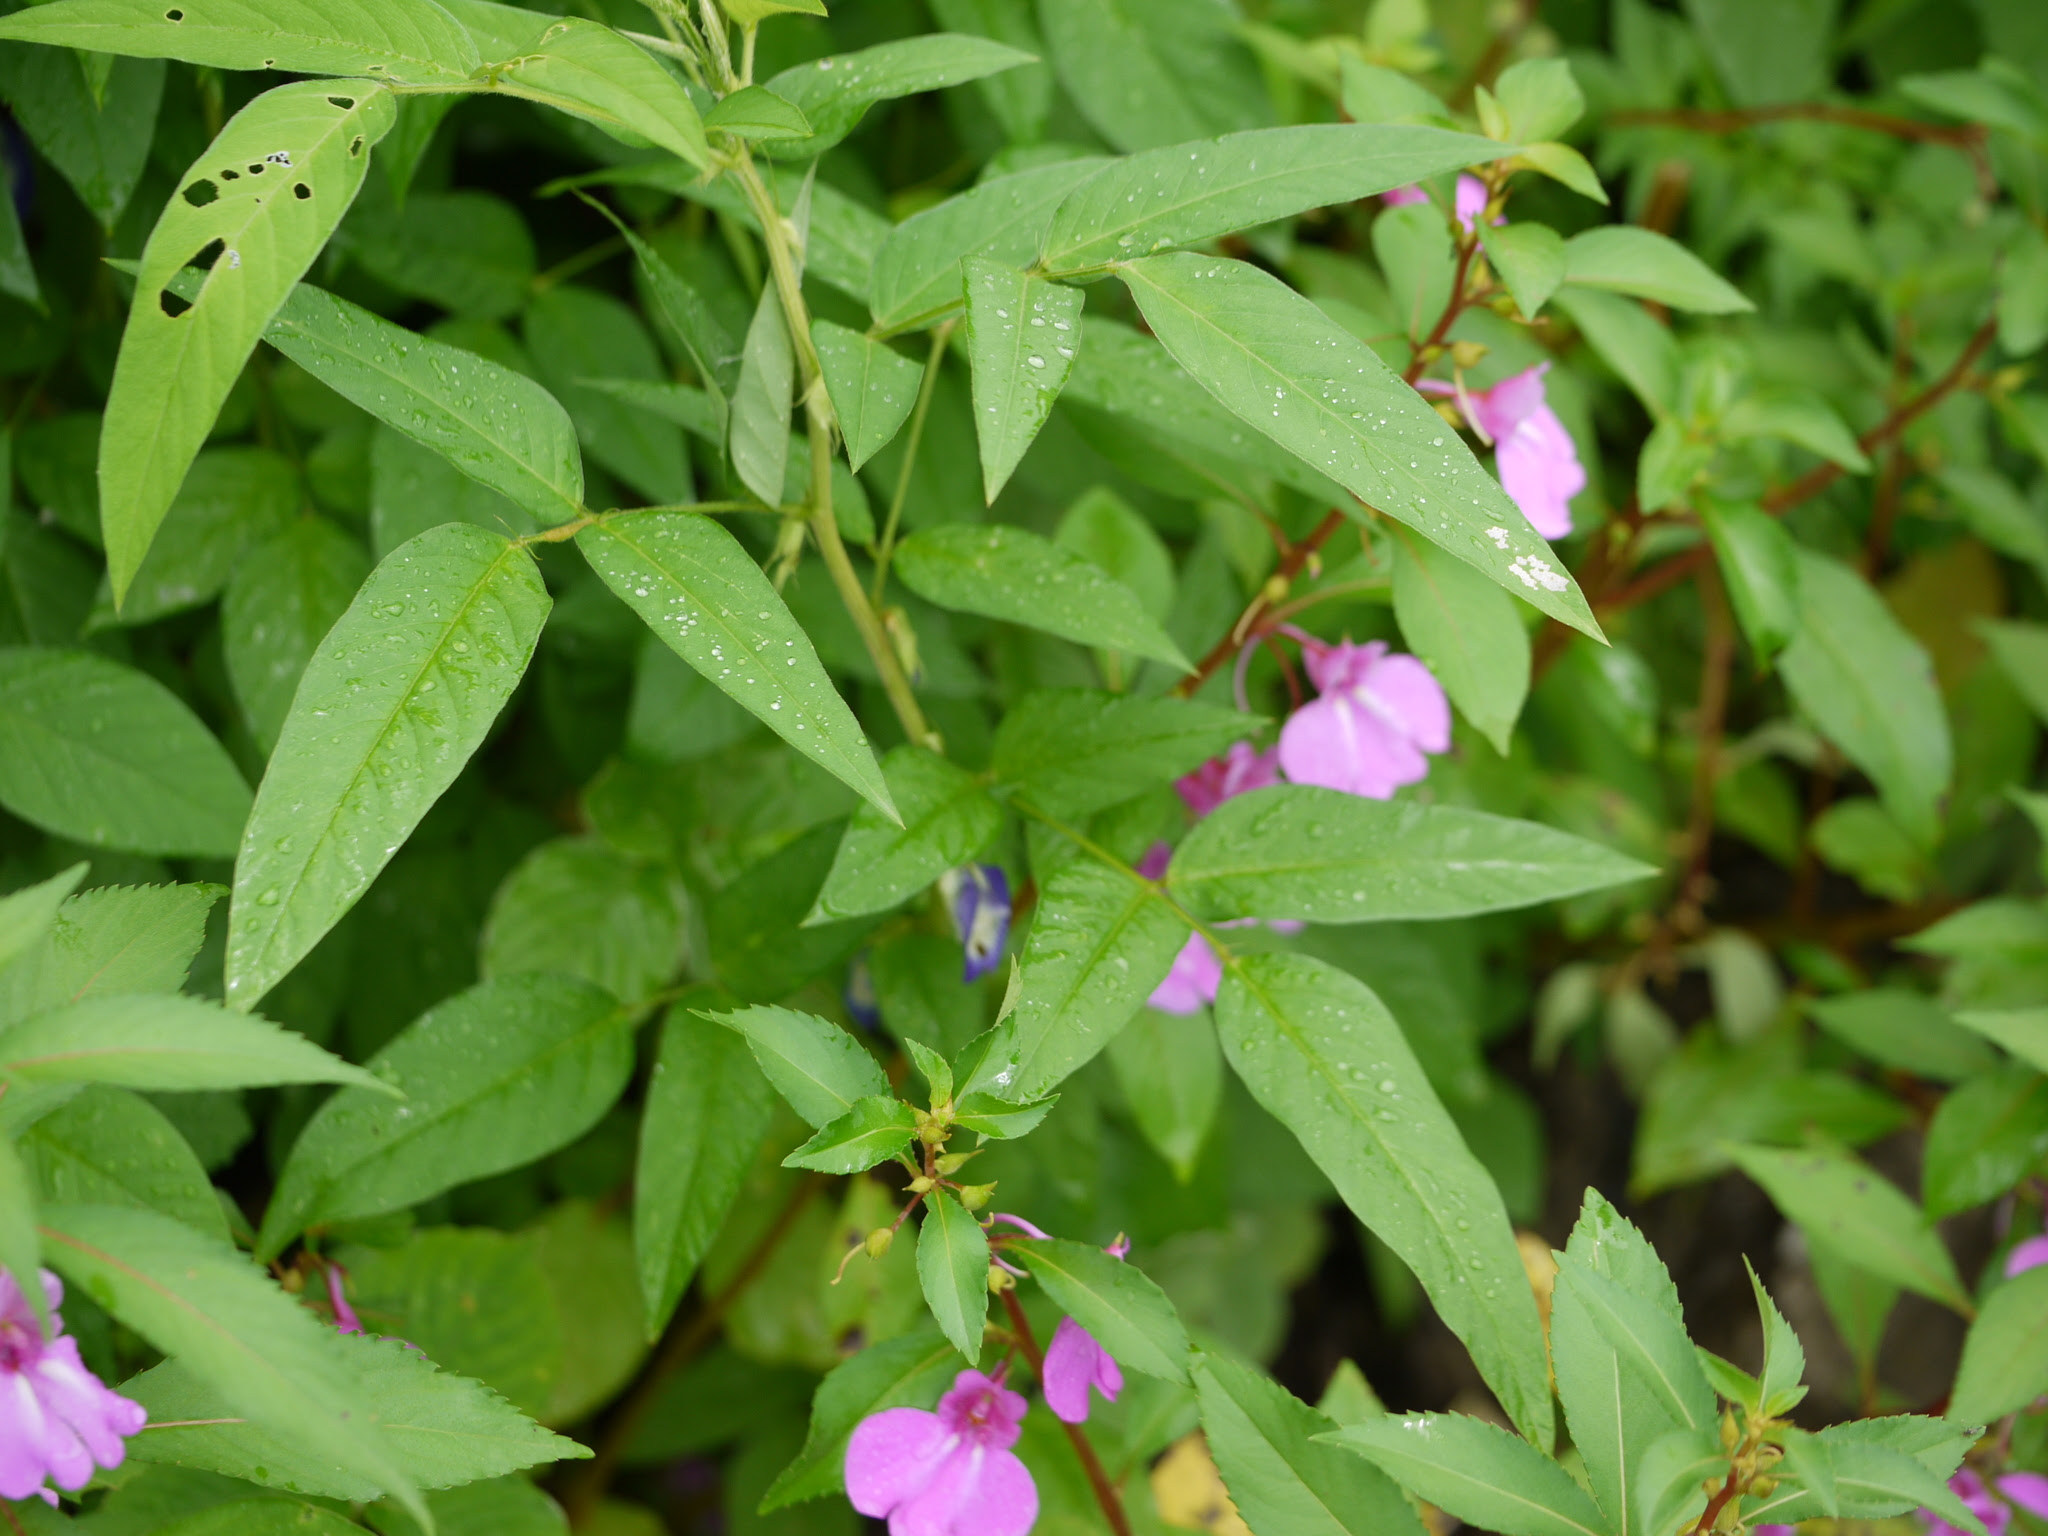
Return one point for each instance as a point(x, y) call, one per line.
point(885, 550)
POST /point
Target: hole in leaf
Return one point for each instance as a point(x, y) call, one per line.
point(230, 175)
point(355, 146)
point(346, 103)
point(256, 169)
point(209, 253)
point(171, 304)
point(200, 193)
point(174, 15)
point(301, 191)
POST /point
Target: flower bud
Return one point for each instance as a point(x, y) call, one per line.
point(878, 1242)
point(921, 1185)
point(1000, 1281)
point(975, 1196)
point(952, 1163)
point(1466, 354)
point(1763, 1487)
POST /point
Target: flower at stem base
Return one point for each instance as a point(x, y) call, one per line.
point(1075, 1362)
point(1377, 717)
point(57, 1421)
point(949, 1472)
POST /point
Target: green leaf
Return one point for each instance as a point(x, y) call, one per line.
point(1286, 368)
point(495, 425)
point(1476, 1471)
point(105, 755)
point(873, 387)
point(758, 946)
point(1902, 1029)
point(1859, 1215)
point(835, 92)
point(1016, 576)
point(578, 334)
point(952, 1266)
point(697, 588)
point(1784, 1365)
point(1760, 565)
point(1540, 97)
point(1982, 1141)
point(712, 351)
point(2023, 293)
point(266, 1358)
point(700, 412)
point(28, 915)
point(590, 71)
point(17, 270)
point(873, 1131)
point(111, 1147)
point(916, 278)
point(414, 41)
point(1022, 334)
point(1183, 194)
point(1322, 856)
point(21, 1244)
point(1566, 166)
point(1626, 258)
point(280, 604)
point(1020, 98)
point(1323, 1056)
point(1100, 941)
point(762, 401)
point(394, 701)
point(818, 1067)
point(174, 370)
point(234, 499)
point(2005, 1354)
point(754, 112)
point(1153, 72)
point(1630, 342)
point(1869, 686)
point(708, 1106)
point(1171, 1071)
point(107, 941)
point(947, 818)
point(1530, 260)
point(2022, 650)
point(1413, 247)
point(1796, 416)
point(440, 1429)
point(579, 907)
point(469, 253)
point(908, 1372)
point(1468, 632)
point(2022, 1031)
point(1880, 1467)
point(1270, 1448)
point(1073, 751)
point(166, 1042)
point(100, 146)
point(492, 1078)
point(1119, 1304)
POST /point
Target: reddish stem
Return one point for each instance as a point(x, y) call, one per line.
point(1105, 1492)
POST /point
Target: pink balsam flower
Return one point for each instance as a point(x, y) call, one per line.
point(948, 1473)
point(344, 1315)
point(1377, 717)
point(1538, 461)
point(2031, 1254)
point(1471, 199)
point(57, 1421)
point(1075, 1362)
point(2029, 1490)
point(1241, 769)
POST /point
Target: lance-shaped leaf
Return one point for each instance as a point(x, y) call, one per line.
point(708, 1106)
point(260, 203)
point(1476, 1471)
point(108, 756)
point(1011, 574)
point(1182, 194)
point(1100, 942)
point(2005, 1354)
point(873, 387)
point(1467, 631)
point(393, 703)
point(1880, 1467)
point(26, 916)
point(908, 1372)
point(1323, 1056)
point(713, 352)
point(112, 1147)
point(762, 402)
point(2022, 1031)
point(1267, 1445)
point(1626, 258)
point(757, 113)
point(279, 605)
point(916, 276)
point(1286, 368)
point(164, 1041)
point(834, 93)
point(952, 1266)
point(413, 41)
point(872, 1131)
point(817, 1066)
point(697, 588)
point(195, 1298)
point(1116, 1302)
point(495, 425)
point(1073, 751)
point(1529, 259)
point(947, 818)
point(1322, 856)
point(1022, 337)
point(492, 1078)
point(592, 72)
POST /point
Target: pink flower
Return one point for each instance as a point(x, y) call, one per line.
point(1074, 1362)
point(1191, 985)
point(949, 1473)
point(2029, 1490)
point(344, 1315)
point(2028, 1255)
point(56, 1419)
point(1368, 732)
point(1538, 462)
point(1241, 769)
point(1471, 199)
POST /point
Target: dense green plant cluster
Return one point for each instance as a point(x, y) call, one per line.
point(755, 764)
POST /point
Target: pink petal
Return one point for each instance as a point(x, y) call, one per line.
point(21, 1437)
point(2029, 1490)
point(1191, 985)
point(1157, 857)
point(1540, 471)
point(1338, 744)
point(1405, 686)
point(1239, 771)
point(1109, 1376)
point(1071, 1361)
point(1512, 401)
point(1471, 199)
point(1404, 197)
point(892, 1456)
point(100, 1418)
point(1341, 667)
point(2028, 1255)
point(975, 1493)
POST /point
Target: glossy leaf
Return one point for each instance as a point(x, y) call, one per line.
point(872, 1131)
point(1276, 361)
point(947, 818)
point(391, 706)
point(873, 387)
point(261, 201)
point(111, 1147)
point(1116, 1302)
point(697, 588)
point(414, 41)
point(754, 112)
point(1073, 751)
point(835, 92)
point(590, 71)
point(952, 1266)
point(492, 1078)
point(818, 1067)
point(1476, 1471)
point(907, 1372)
point(1468, 632)
point(1022, 333)
point(1323, 1056)
point(1902, 1029)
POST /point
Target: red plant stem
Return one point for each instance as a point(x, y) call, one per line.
point(1960, 135)
point(1105, 1492)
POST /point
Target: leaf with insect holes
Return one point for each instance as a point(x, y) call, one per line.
point(260, 202)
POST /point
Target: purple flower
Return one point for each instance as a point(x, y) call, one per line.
point(1191, 985)
point(1377, 716)
point(949, 1473)
point(1538, 462)
point(1239, 770)
point(978, 895)
point(2029, 1490)
point(2028, 1255)
point(344, 1315)
point(1471, 199)
point(56, 1419)
point(1074, 1362)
